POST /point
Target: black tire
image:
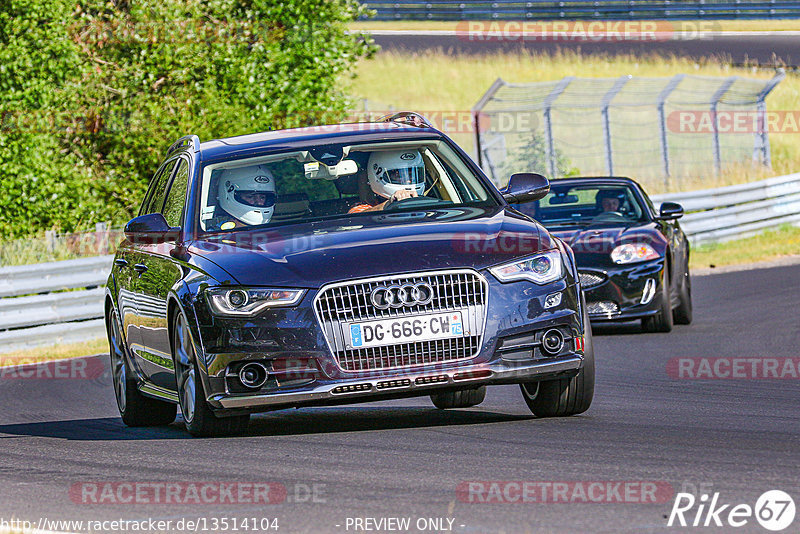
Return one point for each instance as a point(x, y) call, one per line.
point(564, 396)
point(199, 419)
point(661, 321)
point(683, 313)
point(463, 398)
point(134, 408)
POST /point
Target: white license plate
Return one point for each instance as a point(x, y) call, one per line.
point(404, 330)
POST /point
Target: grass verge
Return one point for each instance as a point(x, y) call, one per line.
point(769, 245)
point(55, 352)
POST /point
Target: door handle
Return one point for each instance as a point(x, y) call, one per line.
point(119, 262)
point(140, 268)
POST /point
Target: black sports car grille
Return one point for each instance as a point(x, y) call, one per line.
point(590, 279)
point(604, 307)
point(459, 290)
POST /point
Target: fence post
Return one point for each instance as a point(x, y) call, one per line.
point(50, 240)
point(101, 237)
point(714, 103)
point(476, 114)
point(761, 140)
point(662, 123)
point(548, 125)
point(609, 96)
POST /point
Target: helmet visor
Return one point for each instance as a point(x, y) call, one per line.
point(254, 198)
point(405, 176)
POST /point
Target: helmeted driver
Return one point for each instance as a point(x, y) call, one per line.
point(247, 194)
point(392, 176)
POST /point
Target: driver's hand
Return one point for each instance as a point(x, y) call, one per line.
point(403, 194)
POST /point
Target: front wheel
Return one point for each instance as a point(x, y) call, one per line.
point(564, 396)
point(134, 408)
point(683, 313)
point(197, 415)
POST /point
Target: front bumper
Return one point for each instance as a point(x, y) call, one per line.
point(303, 371)
point(408, 384)
point(626, 292)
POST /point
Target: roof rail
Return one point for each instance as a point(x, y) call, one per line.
point(186, 140)
point(410, 118)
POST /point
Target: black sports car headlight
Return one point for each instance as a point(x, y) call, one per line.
point(633, 252)
point(540, 269)
point(248, 301)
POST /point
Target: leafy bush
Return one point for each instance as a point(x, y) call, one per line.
point(531, 156)
point(110, 84)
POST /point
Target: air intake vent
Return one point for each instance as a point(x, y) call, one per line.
point(400, 383)
point(590, 279)
point(352, 388)
point(431, 379)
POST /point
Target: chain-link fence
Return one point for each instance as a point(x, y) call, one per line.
point(647, 128)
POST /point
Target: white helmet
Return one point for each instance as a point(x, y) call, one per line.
point(248, 193)
point(393, 171)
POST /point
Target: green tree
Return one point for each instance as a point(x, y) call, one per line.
point(128, 77)
point(531, 156)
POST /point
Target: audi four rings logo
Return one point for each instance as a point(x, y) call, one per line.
point(398, 296)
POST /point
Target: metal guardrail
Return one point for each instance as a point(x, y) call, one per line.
point(574, 9)
point(725, 213)
point(35, 310)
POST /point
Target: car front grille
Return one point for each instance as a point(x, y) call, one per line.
point(590, 279)
point(604, 307)
point(458, 290)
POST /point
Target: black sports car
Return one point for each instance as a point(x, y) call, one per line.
point(335, 265)
point(633, 261)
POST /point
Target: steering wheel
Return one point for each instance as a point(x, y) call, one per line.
point(411, 202)
point(608, 216)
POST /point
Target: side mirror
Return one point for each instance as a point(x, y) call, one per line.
point(525, 187)
point(670, 211)
point(151, 229)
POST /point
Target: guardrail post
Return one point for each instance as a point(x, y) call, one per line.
point(476, 115)
point(609, 96)
point(761, 142)
point(548, 124)
point(714, 103)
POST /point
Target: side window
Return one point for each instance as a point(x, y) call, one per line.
point(173, 207)
point(155, 197)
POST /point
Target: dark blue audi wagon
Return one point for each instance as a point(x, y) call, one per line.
point(336, 265)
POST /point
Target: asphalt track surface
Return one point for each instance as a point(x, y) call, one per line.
point(405, 459)
point(767, 48)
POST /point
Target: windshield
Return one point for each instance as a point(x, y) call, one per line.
point(336, 181)
point(585, 205)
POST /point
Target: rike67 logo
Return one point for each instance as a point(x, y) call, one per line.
point(774, 510)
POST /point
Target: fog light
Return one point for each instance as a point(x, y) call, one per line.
point(552, 342)
point(253, 375)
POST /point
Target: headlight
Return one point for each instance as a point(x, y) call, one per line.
point(541, 269)
point(633, 252)
point(248, 301)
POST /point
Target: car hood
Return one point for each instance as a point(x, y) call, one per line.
point(593, 242)
point(312, 254)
